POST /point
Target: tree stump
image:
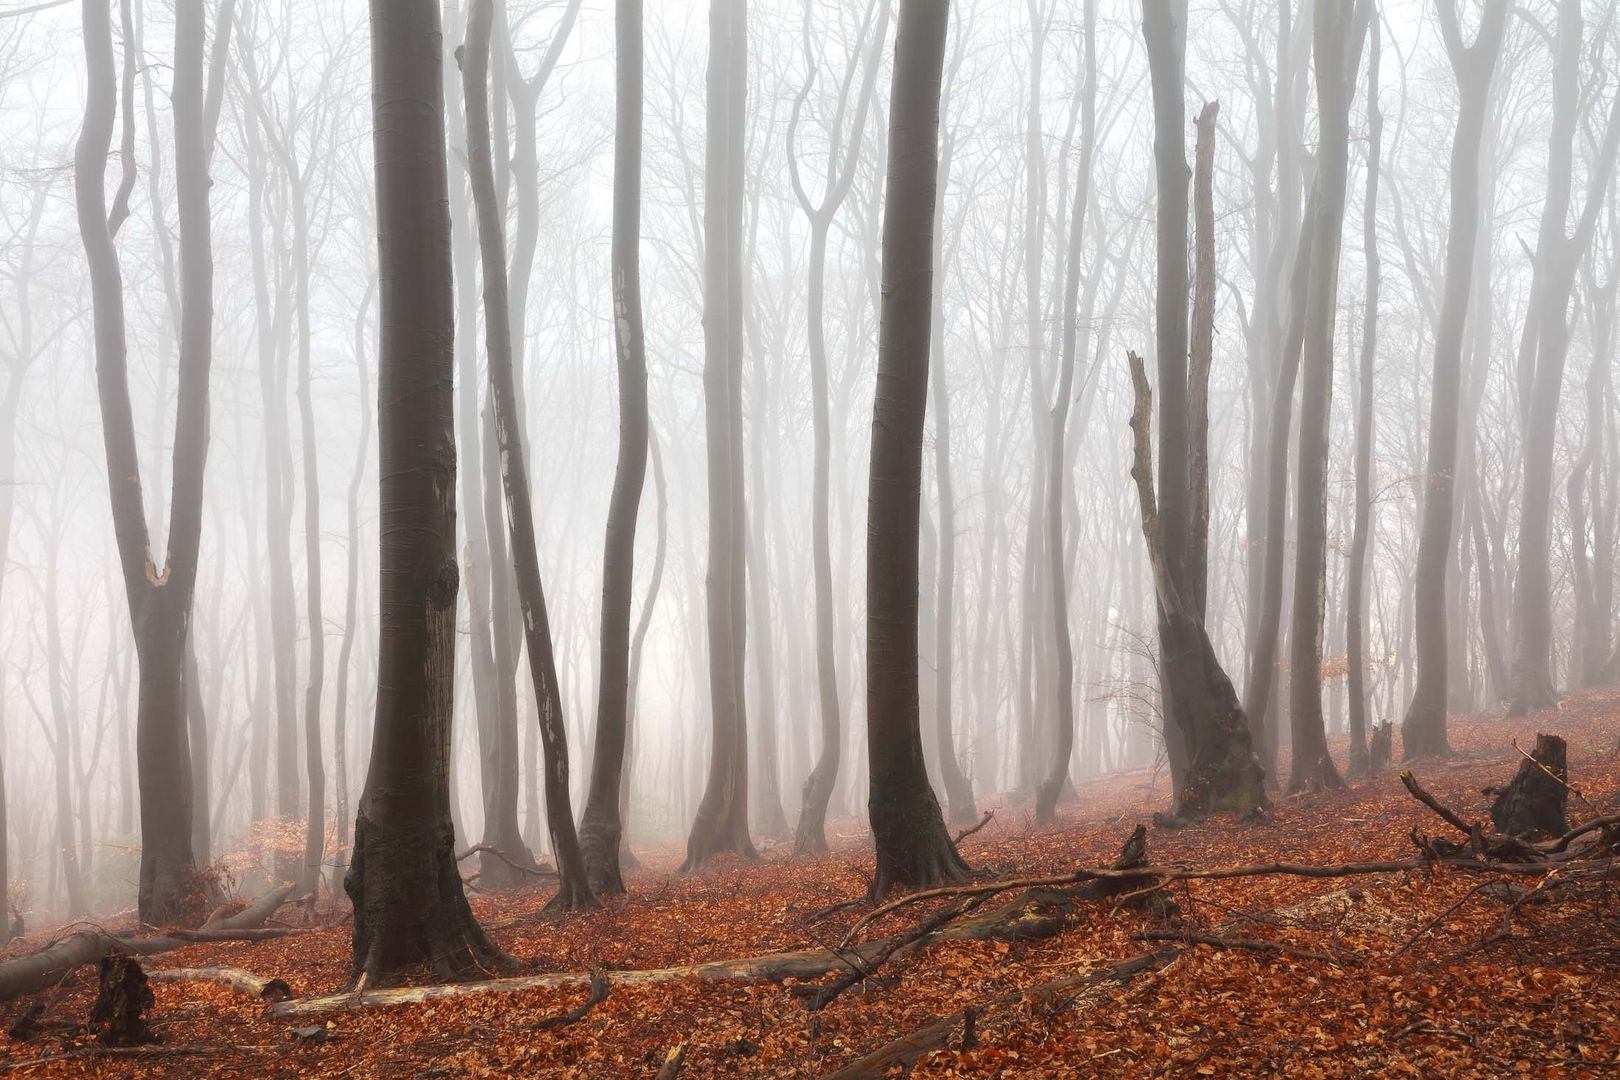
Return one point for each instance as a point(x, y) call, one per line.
point(118, 1016)
point(1535, 801)
point(1381, 749)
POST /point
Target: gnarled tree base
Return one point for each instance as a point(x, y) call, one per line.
point(913, 849)
point(410, 910)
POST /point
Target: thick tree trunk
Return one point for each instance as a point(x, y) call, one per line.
point(1423, 731)
point(409, 906)
point(721, 823)
point(573, 887)
point(601, 830)
point(913, 847)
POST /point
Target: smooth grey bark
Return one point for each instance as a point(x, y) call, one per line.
point(721, 822)
point(1056, 777)
point(1423, 730)
point(1338, 33)
point(810, 834)
point(1355, 630)
point(1543, 348)
point(574, 889)
point(410, 909)
point(913, 847)
point(601, 830)
point(638, 644)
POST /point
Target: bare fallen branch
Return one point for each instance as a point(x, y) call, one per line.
point(254, 985)
point(671, 1068)
point(965, 833)
point(598, 994)
point(1276, 948)
point(1449, 816)
point(490, 849)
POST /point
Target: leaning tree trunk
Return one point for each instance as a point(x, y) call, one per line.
point(574, 889)
point(913, 847)
point(1423, 731)
point(1355, 629)
point(1052, 784)
point(410, 909)
point(602, 827)
point(721, 822)
point(1338, 33)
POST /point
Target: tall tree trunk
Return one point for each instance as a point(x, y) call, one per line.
point(913, 847)
point(637, 647)
point(1355, 630)
point(1338, 34)
point(1056, 778)
point(409, 906)
point(1423, 731)
point(721, 823)
point(958, 788)
point(1543, 349)
point(159, 600)
point(601, 830)
point(573, 887)
point(340, 718)
point(1206, 734)
point(810, 836)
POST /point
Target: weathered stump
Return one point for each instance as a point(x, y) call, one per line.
point(1381, 748)
point(1535, 801)
point(119, 1014)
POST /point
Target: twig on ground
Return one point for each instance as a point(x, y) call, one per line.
point(598, 994)
point(1437, 920)
point(970, 830)
point(1450, 816)
point(1189, 937)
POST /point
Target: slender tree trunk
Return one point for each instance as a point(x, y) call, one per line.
point(409, 906)
point(913, 847)
point(602, 827)
point(1423, 731)
point(1055, 780)
point(573, 889)
point(1355, 586)
point(637, 647)
point(1338, 32)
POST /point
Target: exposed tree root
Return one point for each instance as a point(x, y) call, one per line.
point(598, 994)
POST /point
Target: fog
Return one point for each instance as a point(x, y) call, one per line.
point(283, 632)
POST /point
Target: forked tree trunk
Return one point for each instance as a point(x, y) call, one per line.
point(1423, 731)
point(721, 822)
point(159, 600)
point(810, 836)
point(410, 909)
point(573, 887)
point(1542, 352)
point(601, 830)
point(913, 847)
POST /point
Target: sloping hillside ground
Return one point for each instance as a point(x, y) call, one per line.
point(1422, 973)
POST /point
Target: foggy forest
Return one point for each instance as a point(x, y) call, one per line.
point(798, 538)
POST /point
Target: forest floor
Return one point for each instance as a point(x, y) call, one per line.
point(1420, 973)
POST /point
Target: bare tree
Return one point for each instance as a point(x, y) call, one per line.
point(913, 847)
point(574, 889)
point(721, 823)
point(409, 905)
point(1423, 731)
point(602, 827)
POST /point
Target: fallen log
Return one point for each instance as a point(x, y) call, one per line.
point(250, 983)
point(49, 965)
point(905, 1051)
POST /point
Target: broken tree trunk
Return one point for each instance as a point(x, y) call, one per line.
point(1536, 799)
point(45, 968)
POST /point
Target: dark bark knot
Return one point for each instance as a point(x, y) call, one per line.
point(446, 582)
